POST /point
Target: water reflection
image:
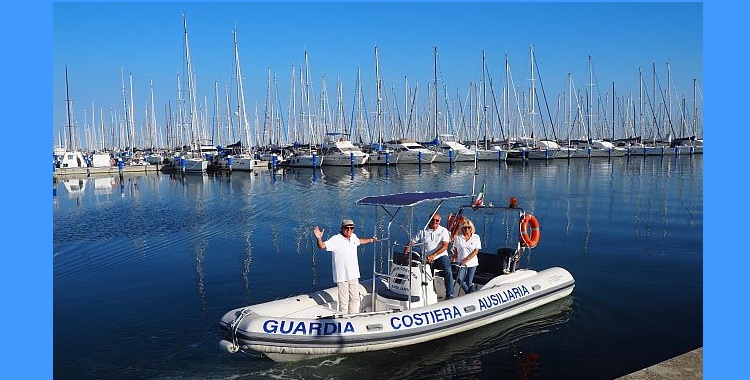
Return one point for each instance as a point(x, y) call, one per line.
point(212, 242)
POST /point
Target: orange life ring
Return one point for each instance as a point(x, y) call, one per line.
point(533, 240)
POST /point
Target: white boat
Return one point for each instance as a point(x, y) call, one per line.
point(528, 149)
point(244, 162)
point(339, 151)
point(154, 158)
point(303, 158)
point(403, 306)
point(592, 148)
point(449, 150)
point(494, 153)
point(408, 151)
point(66, 159)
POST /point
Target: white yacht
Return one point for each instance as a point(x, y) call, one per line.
point(408, 151)
point(339, 151)
point(450, 150)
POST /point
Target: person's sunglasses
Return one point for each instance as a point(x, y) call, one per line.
point(348, 228)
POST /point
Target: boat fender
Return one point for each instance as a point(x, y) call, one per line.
point(228, 346)
point(530, 240)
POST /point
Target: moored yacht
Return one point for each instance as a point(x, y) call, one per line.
point(339, 151)
point(408, 151)
point(450, 150)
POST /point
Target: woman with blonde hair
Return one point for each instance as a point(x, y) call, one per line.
point(466, 247)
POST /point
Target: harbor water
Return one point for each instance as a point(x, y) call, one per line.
point(144, 266)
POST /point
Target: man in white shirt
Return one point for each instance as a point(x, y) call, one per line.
point(345, 263)
point(436, 239)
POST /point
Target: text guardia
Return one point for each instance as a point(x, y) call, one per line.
point(273, 326)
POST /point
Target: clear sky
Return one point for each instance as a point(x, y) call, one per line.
point(97, 40)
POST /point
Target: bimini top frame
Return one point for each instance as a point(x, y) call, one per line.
point(408, 199)
point(392, 205)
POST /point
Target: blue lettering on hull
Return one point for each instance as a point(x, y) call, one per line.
point(273, 326)
point(502, 297)
point(425, 318)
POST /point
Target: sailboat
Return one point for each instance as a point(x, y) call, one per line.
point(306, 157)
point(245, 160)
point(195, 159)
point(67, 158)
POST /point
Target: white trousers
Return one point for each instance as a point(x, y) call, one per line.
point(348, 296)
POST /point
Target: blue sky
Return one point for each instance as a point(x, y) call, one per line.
point(97, 40)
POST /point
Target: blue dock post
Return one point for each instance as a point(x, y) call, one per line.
point(229, 163)
point(315, 160)
point(450, 156)
point(120, 165)
point(387, 158)
point(182, 164)
point(351, 159)
point(274, 161)
point(419, 158)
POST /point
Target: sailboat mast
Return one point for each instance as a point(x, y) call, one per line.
point(613, 111)
point(67, 102)
point(307, 100)
point(434, 49)
point(484, 100)
point(378, 105)
point(532, 93)
point(695, 109)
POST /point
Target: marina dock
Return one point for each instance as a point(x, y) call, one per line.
point(684, 367)
point(112, 170)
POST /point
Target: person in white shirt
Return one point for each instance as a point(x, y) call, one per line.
point(436, 239)
point(466, 246)
point(345, 263)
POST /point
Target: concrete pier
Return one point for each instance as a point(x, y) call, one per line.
point(687, 366)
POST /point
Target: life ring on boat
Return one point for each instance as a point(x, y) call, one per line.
point(530, 240)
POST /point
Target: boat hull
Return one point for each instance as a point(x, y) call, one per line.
point(308, 326)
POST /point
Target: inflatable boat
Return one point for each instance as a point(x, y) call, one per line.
point(404, 304)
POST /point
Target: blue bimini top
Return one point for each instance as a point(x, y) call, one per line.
point(409, 199)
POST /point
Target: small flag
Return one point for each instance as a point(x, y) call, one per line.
point(479, 200)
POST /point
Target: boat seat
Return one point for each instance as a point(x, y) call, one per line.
point(493, 264)
point(384, 292)
point(401, 259)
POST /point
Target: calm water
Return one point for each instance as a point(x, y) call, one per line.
point(144, 268)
